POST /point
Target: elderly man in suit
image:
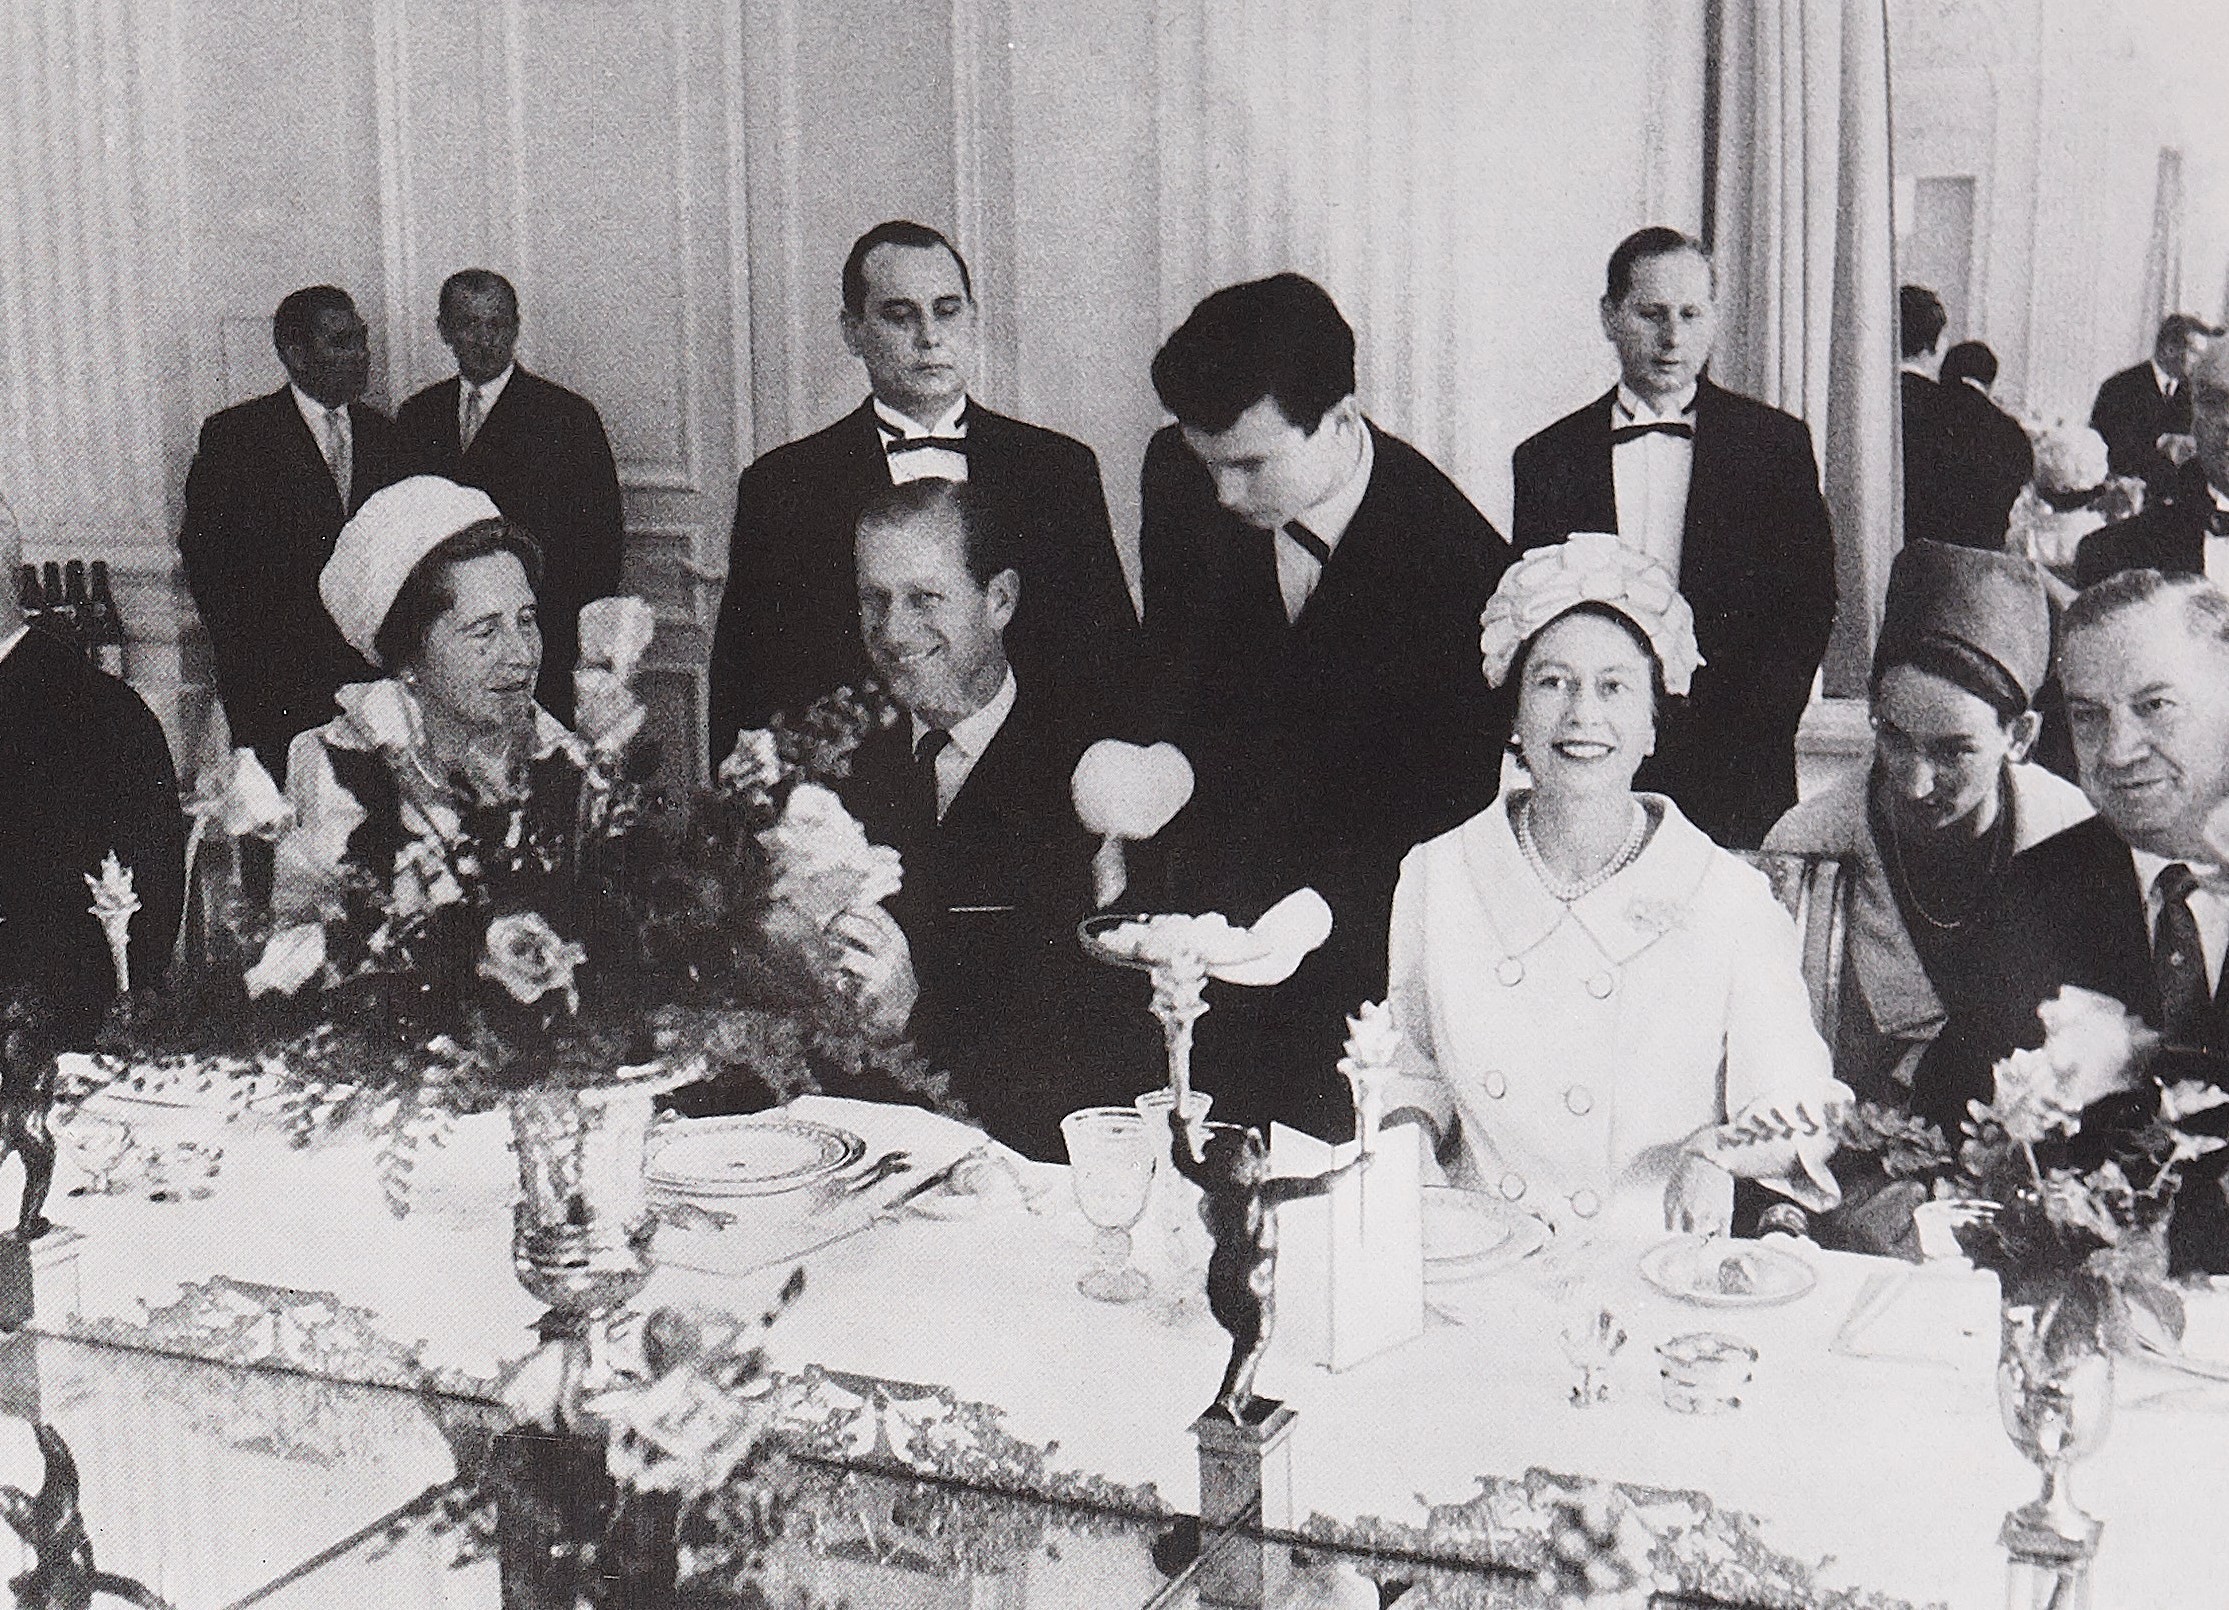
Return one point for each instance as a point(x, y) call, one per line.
point(2143, 412)
point(1313, 586)
point(2187, 533)
point(537, 449)
point(971, 788)
point(2130, 903)
point(1721, 490)
point(788, 629)
point(272, 483)
point(84, 773)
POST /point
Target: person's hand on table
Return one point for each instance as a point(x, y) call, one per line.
point(878, 967)
point(1699, 1200)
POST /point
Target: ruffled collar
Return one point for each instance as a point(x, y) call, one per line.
point(1624, 916)
point(386, 716)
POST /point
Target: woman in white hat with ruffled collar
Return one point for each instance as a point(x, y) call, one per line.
point(1590, 990)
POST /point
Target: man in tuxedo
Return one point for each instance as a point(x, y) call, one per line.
point(84, 773)
point(537, 449)
point(1990, 455)
point(2186, 532)
point(272, 483)
point(1920, 321)
point(971, 788)
point(1313, 586)
point(2132, 902)
point(1724, 493)
point(788, 627)
point(2143, 412)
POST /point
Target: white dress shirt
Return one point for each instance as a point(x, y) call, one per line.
point(2164, 381)
point(925, 462)
point(489, 390)
point(315, 415)
point(971, 735)
point(1650, 476)
point(2209, 904)
point(7, 647)
point(2217, 547)
point(1298, 570)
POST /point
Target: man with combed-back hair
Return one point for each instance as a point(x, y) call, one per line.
point(1722, 491)
point(272, 483)
point(2132, 902)
point(789, 631)
point(1313, 586)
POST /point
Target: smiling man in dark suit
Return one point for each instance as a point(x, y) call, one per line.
point(788, 627)
point(2143, 410)
point(1721, 490)
point(971, 788)
point(1313, 586)
point(2131, 903)
point(272, 483)
point(537, 449)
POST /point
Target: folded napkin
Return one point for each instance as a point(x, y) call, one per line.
point(1938, 1313)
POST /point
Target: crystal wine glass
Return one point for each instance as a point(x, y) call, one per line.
point(1110, 1163)
point(96, 1144)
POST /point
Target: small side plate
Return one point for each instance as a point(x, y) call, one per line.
point(1718, 1273)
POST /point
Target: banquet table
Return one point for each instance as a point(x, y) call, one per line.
point(1868, 1447)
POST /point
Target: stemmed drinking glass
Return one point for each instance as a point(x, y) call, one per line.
point(1110, 1163)
point(96, 1144)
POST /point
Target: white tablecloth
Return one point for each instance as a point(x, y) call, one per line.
point(1893, 1465)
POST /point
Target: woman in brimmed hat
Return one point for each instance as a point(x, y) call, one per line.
point(1605, 1007)
point(1950, 798)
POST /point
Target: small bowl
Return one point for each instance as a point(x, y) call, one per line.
point(1705, 1372)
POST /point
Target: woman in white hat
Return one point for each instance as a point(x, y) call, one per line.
point(1602, 1010)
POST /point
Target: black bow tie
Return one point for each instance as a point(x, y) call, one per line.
point(921, 444)
point(1655, 427)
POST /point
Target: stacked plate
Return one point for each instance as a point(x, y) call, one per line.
point(1467, 1234)
point(721, 1159)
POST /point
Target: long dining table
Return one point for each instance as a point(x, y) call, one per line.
point(1868, 1445)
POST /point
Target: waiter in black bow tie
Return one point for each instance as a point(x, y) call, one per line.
point(1724, 493)
point(788, 628)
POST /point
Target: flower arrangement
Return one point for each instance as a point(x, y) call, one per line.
point(542, 934)
point(2074, 1165)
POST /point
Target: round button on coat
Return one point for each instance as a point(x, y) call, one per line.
point(1580, 1100)
point(1496, 1085)
point(1585, 1203)
point(1513, 1186)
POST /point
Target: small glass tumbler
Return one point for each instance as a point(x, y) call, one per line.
point(1705, 1372)
point(1111, 1156)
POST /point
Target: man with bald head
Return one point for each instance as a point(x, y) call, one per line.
point(2186, 533)
point(537, 449)
point(2133, 903)
point(84, 774)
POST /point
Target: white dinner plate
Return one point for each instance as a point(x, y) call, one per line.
point(720, 1157)
point(1467, 1233)
point(1719, 1273)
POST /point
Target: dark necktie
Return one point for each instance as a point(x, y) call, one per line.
point(931, 744)
point(1310, 544)
point(2179, 959)
point(1655, 427)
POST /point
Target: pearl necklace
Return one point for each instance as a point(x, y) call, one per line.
point(1571, 893)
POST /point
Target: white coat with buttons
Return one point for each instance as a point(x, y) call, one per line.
point(1581, 1046)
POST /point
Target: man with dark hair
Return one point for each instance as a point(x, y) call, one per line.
point(2187, 532)
point(84, 773)
point(2143, 412)
point(971, 787)
point(1921, 399)
point(1312, 590)
point(272, 483)
point(1724, 493)
point(1988, 455)
point(537, 449)
point(2129, 903)
point(788, 627)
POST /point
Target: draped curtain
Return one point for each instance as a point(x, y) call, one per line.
point(1805, 246)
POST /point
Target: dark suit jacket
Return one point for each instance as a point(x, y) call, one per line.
point(1965, 462)
point(1926, 457)
point(789, 621)
point(261, 516)
point(84, 770)
point(2073, 913)
point(2132, 416)
point(1325, 748)
point(1029, 1028)
point(2169, 535)
point(541, 453)
point(1757, 565)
